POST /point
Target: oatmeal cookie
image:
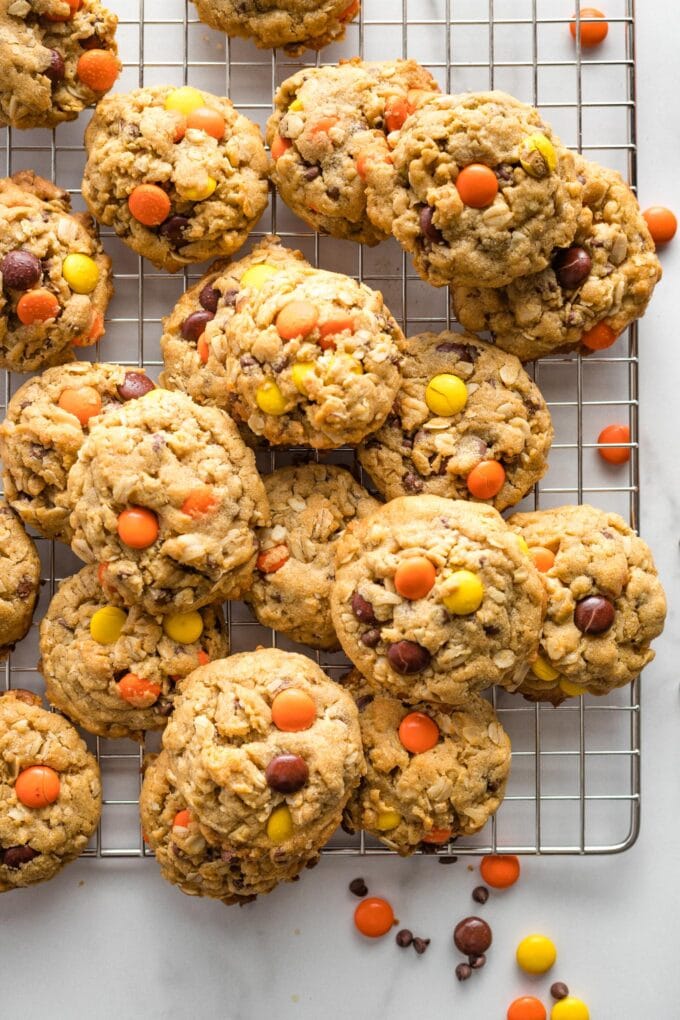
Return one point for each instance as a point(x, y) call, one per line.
point(50, 791)
point(265, 750)
point(179, 174)
point(46, 423)
point(19, 580)
point(435, 599)
point(327, 123)
point(55, 280)
point(166, 494)
point(115, 671)
point(295, 25)
point(311, 506)
point(468, 423)
point(605, 601)
point(478, 190)
point(57, 57)
point(433, 772)
point(590, 293)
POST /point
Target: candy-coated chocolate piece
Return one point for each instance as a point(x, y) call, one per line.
point(181, 820)
point(418, 732)
point(200, 501)
point(571, 689)
point(201, 191)
point(138, 691)
point(257, 276)
point(374, 917)
point(39, 305)
point(437, 836)
point(83, 403)
point(98, 69)
point(296, 319)
point(599, 337)
point(287, 773)
point(293, 710)
point(185, 100)
point(388, 820)
point(446, 395)
point(486, 479)
point(536, 954)
point(270, 399)
point(149, 204)
point(37, 786)
point(74, 6)
point(106, 625)
point(614, 434)
point(174, 229)
point(301, 372)
point(209, 298)
point(522, 543)
point(362, 609)
point(526, 1008)
point(137, 527)
point(543, 670)
point(20, 270)
point(464, 593)
point(210, 121)
point(415, 577)
point(472, 936)
point(194, 325)
point(544, 559)
point(185, 628)
point(135, 385)
point(662, 223)
point(538, 157)
point(271, 560)
point(56, 69)
point(572, 266)
point(591, 33)
point(407, 657)
point(594, 614)
point(396, 112)
point(280, 824)
point(570, 1009)
point(477, 185)
point(280, 146)
point(500, 870)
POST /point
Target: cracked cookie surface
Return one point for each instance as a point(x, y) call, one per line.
point(19, 580)
point(294, 25)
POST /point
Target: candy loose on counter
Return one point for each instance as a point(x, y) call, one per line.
point(418, 732)
point(570, 1009)
point(500, 870)
point(83, 403)
point(463, 971)
point(614, 434)
point(149, 204)
point(480, 894)
point(358, 887)
point(526, 1008)
point(536, 954)
point(37, 786)
point(293, 710)
point(559, 990)
point(184, 628)
point(472, 936)
point(137, 527)
point(404, 938)
point(414, 578)
point(374, 917)
point(592, 33)
point(662, 223)
point(477, 185)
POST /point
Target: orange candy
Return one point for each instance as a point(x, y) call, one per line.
point(614, 434)
point(37, 306)
point(396, 112)
point(137, 691)
point(296, 319)
point(203, 349)
point(414, 577)
point(84, 403)
point(94, 333)
point(210, 121)
point(323, 125)
point(543, 558)
point(98, 69)
point(486, 479)
point(418, 733)
point(599, 337)
point(203, 658)
point(477, 185)
point(350, 11)
point(271, 560)
point(591, 34)
point(293, 710)
point(149, 205)
point(374, 917)
point(181, 820)
point(75, 6)
point(362, 166)
point(437, 836)
point(279, 146)
point(200, 501)
point(137, 527)
point(500, 871)
point(37, 786)
point(526, 1008)
point(661, 222)
point(331, 327)
point(101, 574)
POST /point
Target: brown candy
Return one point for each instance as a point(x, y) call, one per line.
point(358, 887)
point(362, 609)
point(209, 298)
point(480, 894)
point(472, 936)
point(427, 226)
point(174, 228)
point(56, 69)
point(14, 856)
point(194, 325)
point(135, 385)
point(406, 657)
point(287, 773)
point(559, 990)
point(404, 938)
point(463, 971)
point(594, 614)
point(571, 266)
point(20, 270)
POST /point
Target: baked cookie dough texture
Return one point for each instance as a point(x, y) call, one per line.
point(295, 25)
point(19, 580)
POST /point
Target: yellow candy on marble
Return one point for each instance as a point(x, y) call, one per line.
point(388, 820)
point(258, 275)
point(572, 689)
point(465, 593)
point(280, 824)
point(106, 625)
point(185, 100)
point(537, 156)
point(570, 1009)
point(81, 273)
point(270, 399)
point(446, 395)
point(542, 669)
point(184, 628)
point(536, 954)
point(201, 193)
point(301, 372)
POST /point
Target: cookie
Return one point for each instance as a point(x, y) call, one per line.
point(57, 56)
point(115, 671)
point(468, 423)
point(478, 190)
point(179, 174)
point(55, 280)
point(50, 792)
point(591, 291)
point(436, 599)
point(46, 423)
point(294, 25)
point(166, 495)
point(311, 505)
point(327, 123)
point(265, 750)
point(605, 601)
point(19, 580)
point(434, 773)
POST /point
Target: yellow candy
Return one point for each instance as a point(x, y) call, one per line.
point(280, 825)
point(270, 399)
point(185, 628)
point(106, 625)
point(257, 276)
point(446, 395)
point(543, 670)
point(301, 372)
point(388, 820)
point(200, 194)
point(296, 105)
point(522, 542)
point(348, 363)
point(573, 690)
point(185, 100)
point(538, 156)
point(465, 593)
point(570, 1009)
point(536, 954)
point(81, 273)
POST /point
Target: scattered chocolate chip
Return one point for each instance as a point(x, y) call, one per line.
point(477, 962)
point(480, 894)
point(358, 887)
point(56, 69)
point(559, 990)
point(412, 483)
point(463, 971)
point(209, 298)
point(173, 229)
point(229, 297)
point(404, 938)
point(464, 352)
point(333, 193)
point(311, 173)
point(427, 227)
point(364, 701)
point(571, 266)
point(247, 361)
point(447, 859)
point(362, 609)
point(194, 325)
point(504, 172)
point(407, 657)
point(472, 936)
point(93, 42)
point(287, 773)
point(14, 856)
point(20, 270)
point(420, 945)
point(371, 638)
point(135, 385)
point(594, 614)
point(25, 587)
point(227, 855)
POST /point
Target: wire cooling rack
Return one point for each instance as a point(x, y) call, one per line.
point(575, 784)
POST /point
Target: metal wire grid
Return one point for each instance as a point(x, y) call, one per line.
point(575, 785)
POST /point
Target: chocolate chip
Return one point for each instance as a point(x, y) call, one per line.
point(463, 971)
point(14, 856)
point(412, 483)
point(25, 587)
point(364, 701)
point(472, 936)
point(480, 894)
point(420, 945)
point(247, 361)
point(56, 69)
point(209, 298)
point(227, 855)
point(407, 657)
point(404, 938)
point(571, 266)
point(428, 228)
point(477, 962)
point(559, 990)
point(594, 615)
point(358, 887)
point(287, 773)
point(371, 638)
point(93, 42)
point(173, 229)
point(20, 270)
point(194, 325)
point(135, 385)
point(333, 193)
point(362, 609)
point(464, 352)
point(311, 173)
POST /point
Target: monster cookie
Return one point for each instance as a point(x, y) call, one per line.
point(166, 496)
point(57, 57)
point(19, 580)
point(179, 174)
point(591, 291)
point(199, 867)
point(295, 25)
point(114, 671)
point(468, 423)
point(433, 772)
point(605, 602)
point(50, 792)
point(310, 507)
point(478, 190)
point(328, 122)
point(47, 420)
point(435, 599)
point(55, 280)
point(265, 751)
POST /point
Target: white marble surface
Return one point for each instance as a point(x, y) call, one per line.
point(110, 939)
